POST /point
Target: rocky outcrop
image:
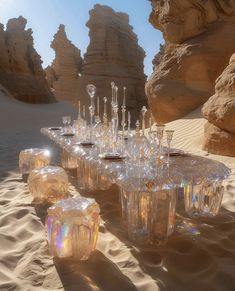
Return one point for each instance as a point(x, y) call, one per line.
point(64, 72)
point(199, 42)
point(218, 141)
point(21, 71)
point(219, 110)
point(112, 55)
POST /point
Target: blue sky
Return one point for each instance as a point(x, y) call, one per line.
point(44, 17)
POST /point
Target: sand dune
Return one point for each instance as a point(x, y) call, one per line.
point(202, 258)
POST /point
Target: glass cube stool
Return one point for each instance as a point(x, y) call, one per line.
point(30, 159)
point(150, 216)
point(48, 184)
point(204, 199)
point(68, 161)
point(72, 227)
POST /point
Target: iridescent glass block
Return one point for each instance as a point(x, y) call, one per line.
point(30, 159)
point(148, 206)
point(72, 227)
point(68, 161)
point(48, 184)
point(203, 199)
point(150, 215)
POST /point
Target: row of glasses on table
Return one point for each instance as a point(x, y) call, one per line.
point(149, 175)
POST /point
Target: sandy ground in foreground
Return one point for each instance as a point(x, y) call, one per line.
point(205, 261)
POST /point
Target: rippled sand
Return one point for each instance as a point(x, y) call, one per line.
point(199, 256)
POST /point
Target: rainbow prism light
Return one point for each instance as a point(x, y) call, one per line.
point(72, 227)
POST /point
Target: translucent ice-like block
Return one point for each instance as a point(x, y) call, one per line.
point(48, 184)
point(148, 207)
point(204, 199)
point(30, 159)
point(68, 161)
point(72, 227)
point(150, 216)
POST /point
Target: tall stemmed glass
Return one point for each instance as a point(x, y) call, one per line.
point(66, 122)
point(124, 113)
point(169, 137)
point(160, 132)
point(113, 98)
point(143, 112)
point(115, 119)
point(91, 90)
point(97, 116)
point(84, 112)
point(129, 124)
point(105, 115)
point(105, 125)
point(79, 118)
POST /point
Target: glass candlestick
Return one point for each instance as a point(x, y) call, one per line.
point(124, 113)
point(105, 115)
point(143, 112)
point(113, 96)
point(160, 132)
point(129, 124)
point(84, 112)
point(91, 90)
point(97, 116)
point(115, 120)
point(79, 118)
point(169, 137)
point(150, 126)
point(79, 109)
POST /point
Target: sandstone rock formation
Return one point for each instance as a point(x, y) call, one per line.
point(112, 55)
point(64, 72)
point(219, 110)
point(21, 71)
point(199, 42)
point(218, 141)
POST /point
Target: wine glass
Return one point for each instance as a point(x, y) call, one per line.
point(91, 90)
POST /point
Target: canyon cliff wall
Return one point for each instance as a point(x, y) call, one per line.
point(21, 71)
point(112, 55)
point(199, 38)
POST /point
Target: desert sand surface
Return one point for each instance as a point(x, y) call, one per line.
point(201, 256)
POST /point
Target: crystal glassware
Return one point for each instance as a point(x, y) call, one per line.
point(66, 120)
point(203, 199)
point(72, 227)
point(67, 160)
point(30, 159)
point(123, 123)
point(138, 147)
point(48, 184)
point(129, 124)
point(160, 132)
point(97, 116)
point(91, 90)
point(169, 137)
point(150, 208)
